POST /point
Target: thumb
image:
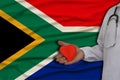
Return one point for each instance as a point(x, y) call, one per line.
point(61, 43)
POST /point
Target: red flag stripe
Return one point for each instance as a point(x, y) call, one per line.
point(75, 12)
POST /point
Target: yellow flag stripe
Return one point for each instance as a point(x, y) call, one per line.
point(38, 39)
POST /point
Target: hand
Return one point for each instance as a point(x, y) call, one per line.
point(61, 59)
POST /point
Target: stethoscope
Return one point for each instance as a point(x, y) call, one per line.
point(114, 16)
point(112, 26)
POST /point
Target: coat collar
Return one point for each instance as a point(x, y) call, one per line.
point(118, 5)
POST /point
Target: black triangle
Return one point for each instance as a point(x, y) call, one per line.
point(12, 39)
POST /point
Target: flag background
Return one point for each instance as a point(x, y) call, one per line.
point(39, 55)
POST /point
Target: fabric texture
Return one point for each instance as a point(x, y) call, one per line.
point(30, 30)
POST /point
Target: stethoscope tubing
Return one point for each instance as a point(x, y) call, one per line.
point(114, 16)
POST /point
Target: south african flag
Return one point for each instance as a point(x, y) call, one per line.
point(30, 29)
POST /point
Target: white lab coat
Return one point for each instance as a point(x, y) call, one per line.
point(108, 48)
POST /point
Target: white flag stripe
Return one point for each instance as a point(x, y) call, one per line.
point(37, 67)
point(79, 29)
point(55, 23)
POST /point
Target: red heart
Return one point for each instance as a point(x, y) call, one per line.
point(68, 51)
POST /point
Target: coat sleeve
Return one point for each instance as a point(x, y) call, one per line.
point(95, 53)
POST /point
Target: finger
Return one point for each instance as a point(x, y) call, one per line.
point(58, 56)
point(61, 43)
point(75, 60)
point(62, 60)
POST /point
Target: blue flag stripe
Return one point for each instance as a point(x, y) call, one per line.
point(78, 71)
